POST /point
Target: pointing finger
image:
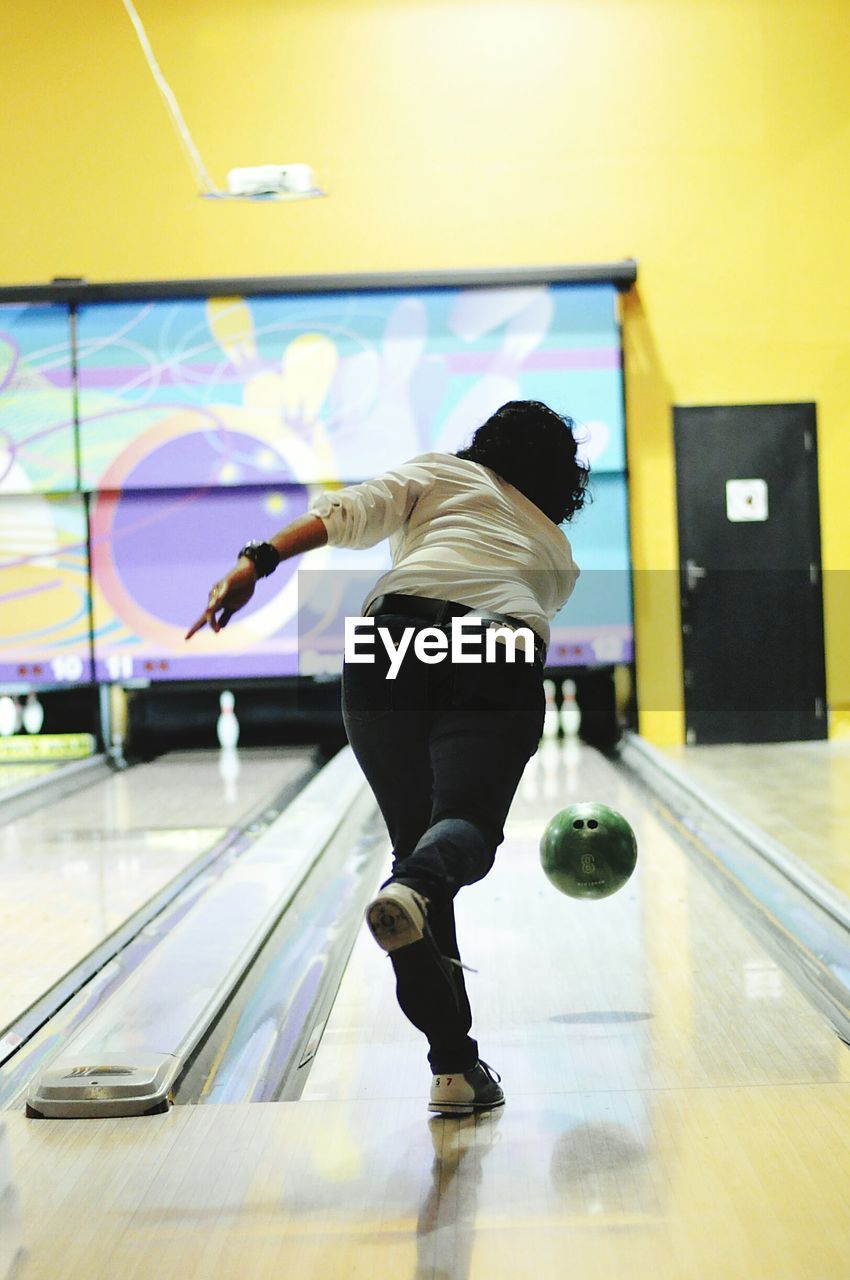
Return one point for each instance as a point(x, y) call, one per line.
point(196, 626)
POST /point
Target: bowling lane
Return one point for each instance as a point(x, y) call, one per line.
point(658, 987)
point(654, 1058)
point(351, 1191)
point(674, 1108)
point(798, 793)
point(77, 869)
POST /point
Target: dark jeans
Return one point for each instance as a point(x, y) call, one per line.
point(443, 747)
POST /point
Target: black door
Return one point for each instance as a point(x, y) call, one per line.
point(750, 572)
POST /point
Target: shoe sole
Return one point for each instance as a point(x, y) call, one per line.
point(391, 926)
point(464, 1108)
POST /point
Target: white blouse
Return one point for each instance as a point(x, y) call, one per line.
point(457, 531)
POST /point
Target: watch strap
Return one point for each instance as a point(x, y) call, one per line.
point(263, 556)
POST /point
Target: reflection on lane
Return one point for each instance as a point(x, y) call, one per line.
point(77, 869)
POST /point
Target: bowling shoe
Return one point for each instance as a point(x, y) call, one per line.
point(467, 1092)
point(397, 916)
point(398, 920)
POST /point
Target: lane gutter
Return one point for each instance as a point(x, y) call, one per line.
point(799, 916)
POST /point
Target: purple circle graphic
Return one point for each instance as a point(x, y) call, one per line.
point(170, 544)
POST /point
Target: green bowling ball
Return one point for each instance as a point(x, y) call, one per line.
point(588, 851)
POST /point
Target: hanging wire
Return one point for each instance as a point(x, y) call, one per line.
point(193, 155)
point(206, 187)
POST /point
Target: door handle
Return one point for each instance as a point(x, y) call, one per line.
point(693, 573)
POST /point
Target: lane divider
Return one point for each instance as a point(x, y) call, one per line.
point(126, 1058)
point(108, 964)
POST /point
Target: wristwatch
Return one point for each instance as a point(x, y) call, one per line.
point(262, 555)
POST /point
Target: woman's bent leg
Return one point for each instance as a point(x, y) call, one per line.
point(480, 743)
point(444, 757)
point(388, 729)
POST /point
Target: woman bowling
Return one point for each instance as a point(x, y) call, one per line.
point(443, 741)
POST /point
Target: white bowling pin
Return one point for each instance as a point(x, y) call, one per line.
point(570, 713)
point(228, 768)
point(227, 726)
point(33, 714)
point(8, 716)
point(550, 719)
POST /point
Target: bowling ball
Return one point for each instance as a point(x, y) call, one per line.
point(588, 851)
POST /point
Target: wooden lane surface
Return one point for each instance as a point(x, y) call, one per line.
point(675, 1109)
point(702, 1183)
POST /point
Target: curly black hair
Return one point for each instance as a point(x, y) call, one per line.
point(534, 449)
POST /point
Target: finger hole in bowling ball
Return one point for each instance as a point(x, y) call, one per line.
point(592, 823)
point(578, 824)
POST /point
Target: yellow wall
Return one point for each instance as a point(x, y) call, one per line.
point(707, 139)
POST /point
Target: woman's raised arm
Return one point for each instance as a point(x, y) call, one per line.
point(235, 589)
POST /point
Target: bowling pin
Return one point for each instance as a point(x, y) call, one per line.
point(229, 769)
point(550, 719)
point(570, 713)
point(118, 721)
point(33, 714)
point(227, 726)
point(8, 716)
